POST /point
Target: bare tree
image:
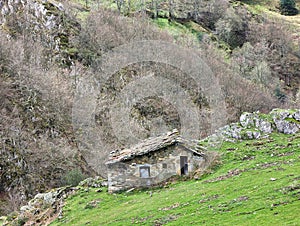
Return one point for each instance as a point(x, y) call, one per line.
point(120, 4)
point(171, 9)
point(154, 8)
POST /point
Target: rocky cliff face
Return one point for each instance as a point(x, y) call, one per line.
point(37, 147)
point(35, 154)
point(45, 19)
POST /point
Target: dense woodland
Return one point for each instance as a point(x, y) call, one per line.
point(252, 47)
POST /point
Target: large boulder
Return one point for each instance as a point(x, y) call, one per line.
point(247, 119)
point(285, 121)
point(264, 125)
point(296, 115)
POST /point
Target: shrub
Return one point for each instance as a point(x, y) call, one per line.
point(240, 93)
point(276, 39)
point(73, 177)
point(288, 7)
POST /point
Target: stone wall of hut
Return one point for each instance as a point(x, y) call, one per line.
point(163, 164)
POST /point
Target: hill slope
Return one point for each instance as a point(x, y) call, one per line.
point(257, 184)
point(37, 87)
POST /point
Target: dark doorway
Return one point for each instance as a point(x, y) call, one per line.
point(183, 165)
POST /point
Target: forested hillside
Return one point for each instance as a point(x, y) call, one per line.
point(249, 49)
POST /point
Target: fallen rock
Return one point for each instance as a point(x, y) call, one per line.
point(285, 121)
point(247, 119)
point(296, 115)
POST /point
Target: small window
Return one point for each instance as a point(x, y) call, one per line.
point(164, 165)
point(145, 171)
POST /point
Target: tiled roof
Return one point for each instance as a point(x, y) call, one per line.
point(151, 145)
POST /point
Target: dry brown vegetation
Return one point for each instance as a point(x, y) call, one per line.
point(37, 141)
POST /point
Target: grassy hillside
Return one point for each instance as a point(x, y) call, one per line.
point(258, 183)
point(38, 77)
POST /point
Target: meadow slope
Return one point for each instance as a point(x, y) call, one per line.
point(258, 183)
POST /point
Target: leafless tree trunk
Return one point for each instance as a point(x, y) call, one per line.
point(171, 9)
point(154, 6)
point(120, 3)
point(143, 6)
point(128, 6)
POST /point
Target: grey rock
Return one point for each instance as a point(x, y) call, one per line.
point(26, 208)
point(39, 196)
point(264, 126)
point(251, 135)
point(296, 115)
point(286, 127)
point(50, 197)
point(256, 134)
point(282, 120)
point(247, 119)
point(231, 131)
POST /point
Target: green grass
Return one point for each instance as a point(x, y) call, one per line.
point(1, 221)
point(174, 28)
point(258, 183)
point(177, 30)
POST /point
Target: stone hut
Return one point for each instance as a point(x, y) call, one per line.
point(152, 162)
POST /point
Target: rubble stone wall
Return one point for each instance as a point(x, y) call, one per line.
point(163, 164)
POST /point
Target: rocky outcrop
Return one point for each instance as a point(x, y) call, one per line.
point(42, 18)
point(46, 207)
point(256, 125)
point(286, 121)
point(42, 209)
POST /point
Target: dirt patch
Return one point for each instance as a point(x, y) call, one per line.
point(139, 220)
point(210, 198)
point(165, 220)
point(285, 154)
point(231, 173)
point(170, 207)
point(241, 199)
point(290, 188)
point(250, 212)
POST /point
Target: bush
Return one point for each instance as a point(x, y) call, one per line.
point(288, 7)
point(73, 177)
point(240, 94)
